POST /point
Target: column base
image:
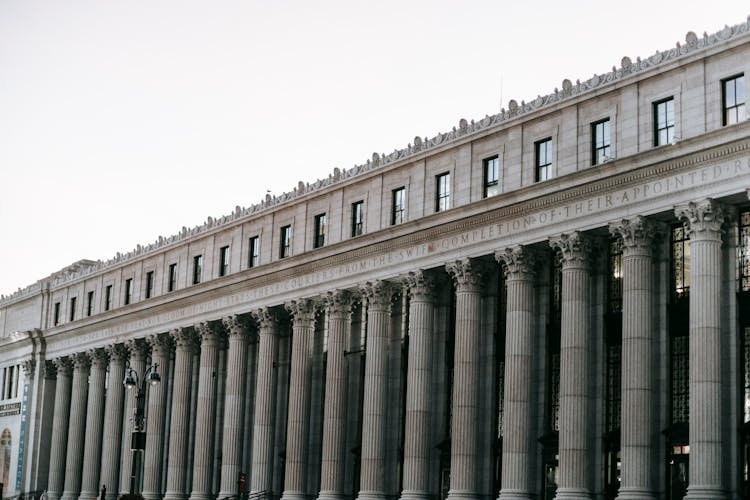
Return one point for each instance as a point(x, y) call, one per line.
point(371, 495)
point(201, 496)
point(415, 495)
point(633, 493)
point(511, 494)
point(712, 492)
point(293, 495)
point(572, 494)
point(88, 495)
point(150, 495)
point(53, 495)
point(223, 494)
point(173, 495)
point(69, 495)
point(463, 495)
point(331, 495)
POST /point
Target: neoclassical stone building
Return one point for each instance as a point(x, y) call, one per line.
point(550, 302)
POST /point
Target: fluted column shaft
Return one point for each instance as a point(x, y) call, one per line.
point(704, 220)
point(234, 403)
point(333, 461)
point(94, 423)
point(138, 350)
point(467, 275)
point(77, 426)
point(575, 332)
point(374, 413)
point(637, 358)
point(303, 328)
point(417, 445)
point(112, 434)
point(60, 422)
point(519, 449)
point(157, 407)
point(265, 403)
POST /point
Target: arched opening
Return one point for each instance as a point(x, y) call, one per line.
point(5, 443)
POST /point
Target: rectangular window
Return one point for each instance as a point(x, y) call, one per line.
point(224, 261)
point(664, 122)
point(680, 262)
point(442, 192)
point(733, 97)
point(149, 284)
point(285, 242)
point(491, 176)
point(128, 291)
point(90, 303)
point(398, 206)
point(108, 298)
point(197, 269)
point(72, 313)
point(744, 253)
point(358, 218)
point(172, 285)
point(56, 316)
point(320, 231)
point(253, 252)
point(543, 157)
point(600, 145)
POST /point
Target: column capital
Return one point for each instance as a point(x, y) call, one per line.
point(81, 361)
point(301, 309)
point(467, 273)
point(378, 294)
point(29, 365)
point(266, 318)
point(339, 303)
point(117, 352)
point(520, 261)
point(575, 248)
point(98, 357)
point(421, 285)
point(50, 370)
point(637, 234)
point(63, 365)
point(704, 218)
point(138, 348)
point(209, 333)
point(160, 343)
point(236, 326)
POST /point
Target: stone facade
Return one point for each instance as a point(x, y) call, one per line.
point(557, 308)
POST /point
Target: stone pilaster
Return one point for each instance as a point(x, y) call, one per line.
point(186, 344)
point(372, 478)
point(92, 454)
point(417, 445)
point(636, 431)
point(467, 274)
point(77, 425)
point(704, 221)
point(519, 446)
point(575, 334)
point(265, 402)
point(138, 350)
point(60, 422)
point(303, 328)
point(160, 352)
point(333, 462)
point(204, 423)
point(234, 403)
point(113, 407)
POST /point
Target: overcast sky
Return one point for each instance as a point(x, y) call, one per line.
point(123, 121)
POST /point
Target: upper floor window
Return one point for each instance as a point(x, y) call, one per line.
point(285, 242)
point(197, 269)
point(543, 159)
point(680, 262)
point(398, 206)
point(72, 308)
point(108, 298)
point(172, 285)
point(224, 261)
point(90, 303)
point(600, 145)
point(56, 315)
point(442, 192)
point(253, 251)
point(733, 97)
point(149, 284)
point(319, 231)
point(491, 176)
point(664, 121)
point(358, 218)
point(128, 291)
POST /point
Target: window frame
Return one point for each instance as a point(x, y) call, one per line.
point(108, 297)
point(739, 109)
point(543, 171)
point(398, 205)
point(128, 298)
point(285, 241)
point(149, 291)
point(224, 260)
point(319, 230)
point(668, 127)
point(442, 192)
point(89, 303)
point(596, 148)
point(491, 186)
point(358, 219)
point(172, 277)
point(253, 251)
point(56, 314)
point(197, 269)
point(72, 312)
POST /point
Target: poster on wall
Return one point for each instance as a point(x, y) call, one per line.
point(22, 437)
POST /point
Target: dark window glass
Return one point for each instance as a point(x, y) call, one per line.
point(543, 159)
point(56, 316)
point(680, 262)
point(253, 252)
point(108, 298)
point(90, 303)
point(172, 278)
point(197, 269)
point(664, 122)
point(224, 261)
point(491, 176)
point(733, 93)
point(600, 145)
point(357, 218)
point(744, 251)
point(285, 242)
point(442, 192)
point(149, 284)
point(319, 231)
point(398, 206)
point(72, 308)
point(128, 291)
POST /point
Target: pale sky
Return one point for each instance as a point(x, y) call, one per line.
point(123, 121)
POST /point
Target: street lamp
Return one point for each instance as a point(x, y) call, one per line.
point(138, 439)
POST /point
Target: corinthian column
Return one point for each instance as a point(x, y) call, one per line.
point(204, 422)
point(372, 478)
point(186, 344)
point(138, 350)
point(417, 446)
point(467, 275)
point(234, 403)
point(112, 438)
point(160, 352)
point(519, 448)
point(575, 333)
point(77, 426)
point(637, 236)
point(92, 454)
point(60, 422)
point(704, 220)
point(265, 402)
point(303, 327)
